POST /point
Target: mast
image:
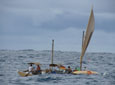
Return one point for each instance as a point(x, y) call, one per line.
point(82, 39)
point(81, 50)
point(52, 51)
point(87, 37)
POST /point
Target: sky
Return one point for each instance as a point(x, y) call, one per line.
point(32, 24)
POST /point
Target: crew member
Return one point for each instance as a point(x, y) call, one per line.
point(69, 70)
point(38, 69)
point(31, 69)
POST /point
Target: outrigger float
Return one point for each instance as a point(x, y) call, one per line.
point(85, 43)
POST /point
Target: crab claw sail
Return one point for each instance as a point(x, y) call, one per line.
point(87, 37)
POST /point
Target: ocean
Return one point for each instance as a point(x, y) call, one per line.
point(13, 60)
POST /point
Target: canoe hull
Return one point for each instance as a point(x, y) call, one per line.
point(24, 74)
point(84, 72)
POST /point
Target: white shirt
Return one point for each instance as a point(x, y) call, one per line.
point(30, 68)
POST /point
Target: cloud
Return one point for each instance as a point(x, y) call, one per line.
point(38, 21)
point(69, 39)
point(56, 14)
point(65, 39)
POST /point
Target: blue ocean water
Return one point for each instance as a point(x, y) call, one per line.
point(13, 60)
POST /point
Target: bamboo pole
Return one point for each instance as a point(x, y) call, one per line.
point(52, 51)
point(81, 50)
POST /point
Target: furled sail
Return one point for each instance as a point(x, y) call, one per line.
point(87, 37)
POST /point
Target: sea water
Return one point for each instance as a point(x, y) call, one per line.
point(13, 60)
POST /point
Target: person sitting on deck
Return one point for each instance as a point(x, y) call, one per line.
point(38, 69)
point(69, 70)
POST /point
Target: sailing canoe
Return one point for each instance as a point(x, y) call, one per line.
point(86, 40)
point(87, 37)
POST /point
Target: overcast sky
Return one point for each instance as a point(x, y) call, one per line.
point(32, 24)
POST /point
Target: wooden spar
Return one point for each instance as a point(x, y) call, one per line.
point(87, 37)
point(81, 49)
point(52, 51)
point(82, 39)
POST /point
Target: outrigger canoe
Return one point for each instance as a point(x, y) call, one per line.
point(85, 42)
point(26, 73)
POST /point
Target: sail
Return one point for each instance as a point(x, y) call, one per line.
point(87, 37)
